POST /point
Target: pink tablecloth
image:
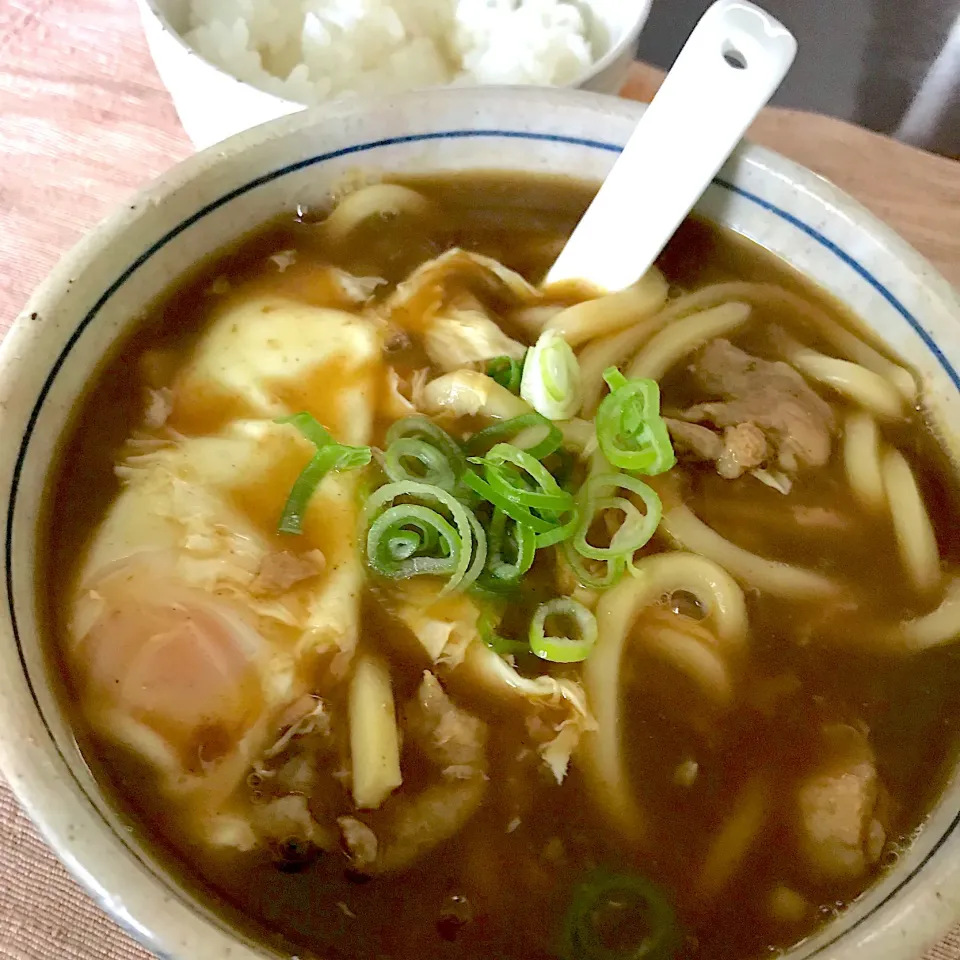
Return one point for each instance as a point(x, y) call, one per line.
point(83, 122)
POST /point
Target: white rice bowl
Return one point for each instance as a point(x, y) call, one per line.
point(309, 50)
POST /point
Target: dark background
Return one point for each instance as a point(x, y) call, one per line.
point(860, 60)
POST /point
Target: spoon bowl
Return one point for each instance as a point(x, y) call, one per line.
point(726, 72)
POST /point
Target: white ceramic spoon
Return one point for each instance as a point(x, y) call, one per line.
point(726, 72)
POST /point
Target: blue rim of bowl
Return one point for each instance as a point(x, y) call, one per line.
point(286, 170)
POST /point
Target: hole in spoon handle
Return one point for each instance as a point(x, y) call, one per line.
point(726, 72)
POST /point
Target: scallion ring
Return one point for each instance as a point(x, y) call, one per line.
point(487, 625)
point(530, 484)
point(605, 896)
point(633, 532)
point(412, 539)
point(562, 464)
point(401, 535)
point(517, 429)
point(630, 430)
point(551, 378)
point(566, 524)
point(434, 466)
point(478, 562)
point(503, 566)
point(507, 371)
point(422, 428)
point(636, 528)
point(586, 575)
point(563, 649)
point(512, 509)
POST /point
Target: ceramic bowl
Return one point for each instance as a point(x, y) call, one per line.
point(93, 296)
point(213, 105)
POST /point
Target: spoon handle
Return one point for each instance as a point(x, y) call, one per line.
point(726, 72)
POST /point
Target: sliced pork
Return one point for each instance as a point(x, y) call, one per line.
point(764, 415)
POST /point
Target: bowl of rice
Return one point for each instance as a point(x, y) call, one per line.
point(232, 64)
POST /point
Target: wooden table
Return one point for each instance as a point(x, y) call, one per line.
point(84, 120)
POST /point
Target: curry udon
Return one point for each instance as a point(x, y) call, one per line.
point(414, 611)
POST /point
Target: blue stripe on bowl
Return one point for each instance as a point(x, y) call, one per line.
point(854, 265)
point(812, 232)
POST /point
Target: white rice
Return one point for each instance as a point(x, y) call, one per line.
point(309, 50)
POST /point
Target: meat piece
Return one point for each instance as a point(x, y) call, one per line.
point(692, 438)
point(429, 819)
point(768, 395)
point(360, 841)
point(305, 716)
point(282, 570)
point(744, 447)
point(839, 834)
point(416, 826)
point(159, 408)
point(741, 448)
point(786, 906)
point(489, 671)
point(450, 737)
point(820, 518)
point(287, 819)
point(455, 742)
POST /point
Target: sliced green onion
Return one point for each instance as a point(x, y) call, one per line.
point(615, 380)
point(530, 485)
point(400, 536)
point(562, 464)
point(506, 371)
point(563, 649)
point(514, 429)
point(635, 530)
point(502, 533)
point(619, 902)
point(630, 430)
point(480, 550)
point(330, 455)
point(505, 646)
point(566, 524)
point(521, 514)
point(487, 628)
point(422, 428)
point(310, 427)
point(434, 467)
point(586, 575)
point(487, 588)
point(413, 539)
point(528, 495)
point(551, 378)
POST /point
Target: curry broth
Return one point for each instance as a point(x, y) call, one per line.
point(500, 887)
